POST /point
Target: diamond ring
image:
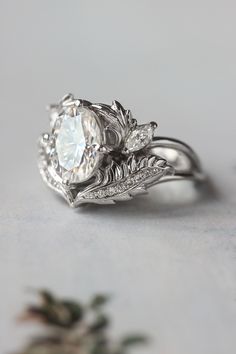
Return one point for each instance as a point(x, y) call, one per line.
point(97, 153)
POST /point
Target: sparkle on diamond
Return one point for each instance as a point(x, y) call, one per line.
point(77, 144)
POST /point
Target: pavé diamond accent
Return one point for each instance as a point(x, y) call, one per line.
point(124, 186)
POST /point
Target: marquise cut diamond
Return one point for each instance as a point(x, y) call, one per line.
point(139, 137)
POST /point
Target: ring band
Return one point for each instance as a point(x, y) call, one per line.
point(97, 153)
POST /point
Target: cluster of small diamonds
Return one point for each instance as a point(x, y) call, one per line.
point(43, 166)
point(122, 186)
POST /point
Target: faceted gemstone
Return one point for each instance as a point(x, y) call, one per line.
point(77, 144)
point(140, 137)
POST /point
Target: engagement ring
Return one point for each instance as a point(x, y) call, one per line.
point(97, 153)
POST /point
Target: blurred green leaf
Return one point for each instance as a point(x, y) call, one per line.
point(100, 323)
point(35, 312)
point(47, 297)
point(99, 300)
point(133, 340)
point(75, 310)
point(46, 349)
point(65, 313)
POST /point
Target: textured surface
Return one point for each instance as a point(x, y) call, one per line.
point(170, 258)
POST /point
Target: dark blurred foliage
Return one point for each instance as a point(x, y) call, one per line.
point(71, 327)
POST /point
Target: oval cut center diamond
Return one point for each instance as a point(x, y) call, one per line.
point(77, 144)
point(70, 142)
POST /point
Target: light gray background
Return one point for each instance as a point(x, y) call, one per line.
point(169, 259)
